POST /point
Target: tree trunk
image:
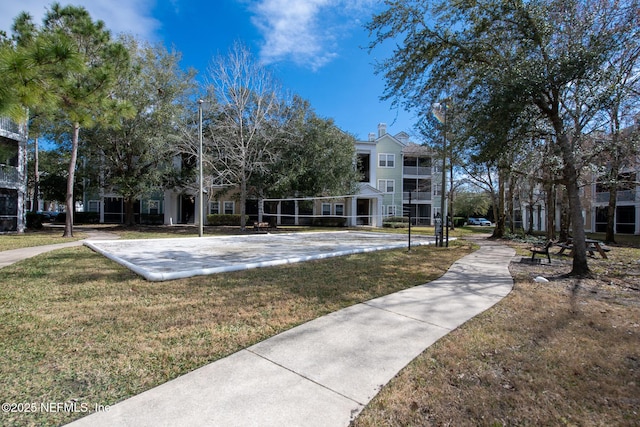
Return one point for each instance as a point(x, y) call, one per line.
point(510, 205)
point(551, 210)
point(260, 208)
point(570, 175)
point(36, 178)
point(70, 205)
point(565, 217)
point(129, 214)
point(611, 211)
point(530, 209)
point(243, 204)
point(498, 231)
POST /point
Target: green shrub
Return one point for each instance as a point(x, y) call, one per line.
point(34, 221)
point(395, 219)
point(151, 219)
point(395, 224)
point(329, 221)
point(80, 217)
point(225, 219)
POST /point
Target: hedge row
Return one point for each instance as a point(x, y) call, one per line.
point(329, 221)
point(225, 219)
point(80, 217)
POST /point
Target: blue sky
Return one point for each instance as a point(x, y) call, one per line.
point(316, 48)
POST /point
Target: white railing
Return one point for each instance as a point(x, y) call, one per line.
point(8, 125)
point(415, 170)
point(416, 195)
point(626, 196)
point(9, 175)
point(622, 196)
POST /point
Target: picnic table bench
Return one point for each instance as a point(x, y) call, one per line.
point(593, 246)
point(543, 250)
point(261, 225)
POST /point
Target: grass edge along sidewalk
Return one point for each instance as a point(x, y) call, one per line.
point(77, 326)
point(564, 352)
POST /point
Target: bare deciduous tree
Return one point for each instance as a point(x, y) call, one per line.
point(247, 119)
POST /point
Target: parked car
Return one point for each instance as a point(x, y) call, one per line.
point(48, 215)
point(479, 221)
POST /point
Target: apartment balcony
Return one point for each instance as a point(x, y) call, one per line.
point(416, 196)
point(9, 177)
point(622, 196)
point(10, 129)
point(416, 170)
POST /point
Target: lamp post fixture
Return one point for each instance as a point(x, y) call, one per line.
point(440, 111)
point(200, 191)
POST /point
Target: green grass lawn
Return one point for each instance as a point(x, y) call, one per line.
point(75, 325)
point(46, 236)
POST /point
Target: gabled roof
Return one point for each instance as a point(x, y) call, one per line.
point(417, 150)
point(365, 189)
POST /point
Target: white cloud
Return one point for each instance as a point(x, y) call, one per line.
point(305, 32)
point(119, 16)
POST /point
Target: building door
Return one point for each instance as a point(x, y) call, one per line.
point(626, 219)
point(187, 209)
point(363, 212)
point(113, 210)
point(8, 210)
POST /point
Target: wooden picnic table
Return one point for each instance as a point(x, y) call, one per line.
point(592, 247)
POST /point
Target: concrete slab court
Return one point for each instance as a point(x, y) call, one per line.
point(169, 259)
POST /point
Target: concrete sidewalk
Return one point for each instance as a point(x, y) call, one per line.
point(324, 372)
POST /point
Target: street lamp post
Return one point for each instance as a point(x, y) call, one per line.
point(440, 111)
point(200, 184)
point(444, 179)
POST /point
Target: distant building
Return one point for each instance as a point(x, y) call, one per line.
point(404, 175)
point(13, 175)
point(391, 166)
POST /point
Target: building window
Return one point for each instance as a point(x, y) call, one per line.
point(391, 210)
point(154, 207)
point(94, 206)
point(326, 209)
point(229, 208)
point(364, 167)
point(387, 160)
point(214, 207)
point(339, 208)
point(387, 185)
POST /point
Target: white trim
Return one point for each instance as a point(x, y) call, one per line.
point(157, 203)
point(387, 157)
point(213, 203)
point(383, 185)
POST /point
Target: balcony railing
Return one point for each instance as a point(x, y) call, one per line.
point(415, 170)
point(9, 126)
point(9, 175)
point(622, 196)
point(416, 195)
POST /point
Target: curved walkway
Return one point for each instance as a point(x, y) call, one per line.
point(324, 372)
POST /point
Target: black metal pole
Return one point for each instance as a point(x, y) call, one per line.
point(409, 247)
